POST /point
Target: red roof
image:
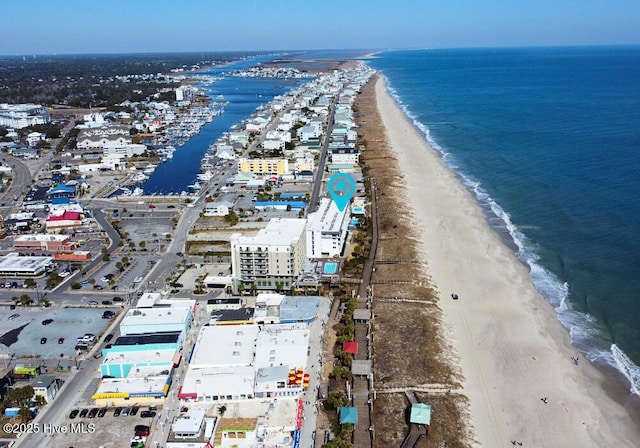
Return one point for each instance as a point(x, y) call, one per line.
point(66, 216)
point(350, 347)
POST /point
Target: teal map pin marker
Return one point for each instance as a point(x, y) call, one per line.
point(341, 188)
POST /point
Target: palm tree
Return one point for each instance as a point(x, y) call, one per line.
point(254, 288)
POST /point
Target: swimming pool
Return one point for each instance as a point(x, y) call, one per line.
point(330, 268)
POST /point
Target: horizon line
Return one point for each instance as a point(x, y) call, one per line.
point(369, 51)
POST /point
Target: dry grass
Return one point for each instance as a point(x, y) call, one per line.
point(443, 431)
point(408, 343)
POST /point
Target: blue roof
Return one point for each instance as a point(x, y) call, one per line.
point(62, 189)
point(420, 414)
point(292, 195)
point(348, 414)
point(293, 204)
point(299, 309)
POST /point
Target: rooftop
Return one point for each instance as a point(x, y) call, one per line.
point(279, 232)
point(233, 345)
point(156, 316)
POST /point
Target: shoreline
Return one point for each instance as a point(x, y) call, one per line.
point(513, 350)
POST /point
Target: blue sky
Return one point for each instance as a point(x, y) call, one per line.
point(116, 26)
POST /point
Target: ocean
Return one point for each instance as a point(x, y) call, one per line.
point(548, 140)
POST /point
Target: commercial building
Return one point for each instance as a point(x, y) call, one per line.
point(156, 320)
point(13, 265)
point(43, 242)
point(143, 385)
point(248, 362)
point(260, 167)
point(123, 150)
point(20, 116)
point(272, 258)
point(327, 230)
point(96, 139)
point(119, 364)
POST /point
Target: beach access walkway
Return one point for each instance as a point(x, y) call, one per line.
point(363, 384)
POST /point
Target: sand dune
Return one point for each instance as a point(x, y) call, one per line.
point(512, 349)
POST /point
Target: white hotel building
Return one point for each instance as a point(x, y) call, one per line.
point(327, 230)
point(275, 255)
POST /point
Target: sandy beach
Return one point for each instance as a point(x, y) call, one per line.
point(512, 349)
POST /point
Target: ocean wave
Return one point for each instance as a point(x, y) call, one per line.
point(585, 332)
point(627, 367)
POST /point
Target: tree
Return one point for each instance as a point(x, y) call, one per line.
point(25, 299)
point(142, 244)
point(24, 414)
point(31, 283)
point(76, 285)
point(119, 266)
point(132, 245)
point(254, 288)
point(106, 258)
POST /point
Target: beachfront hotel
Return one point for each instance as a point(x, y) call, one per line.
point(272, 258)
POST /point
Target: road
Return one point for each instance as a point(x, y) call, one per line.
point(68, 396)
point(21, 179)
point(314, 367)
point(317, 183)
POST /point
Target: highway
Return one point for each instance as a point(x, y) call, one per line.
point(21, 179)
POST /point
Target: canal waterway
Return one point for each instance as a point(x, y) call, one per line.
point(244, 96)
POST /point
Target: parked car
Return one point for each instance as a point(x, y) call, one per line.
point(47, 321)
point(117, 411)
point(107, 302)
point(14, 316)
point(98, 287)
point(93, 412)
point(142, 430)
point(43, 340)
point(117, 299)
point(134, 411)
point(125, 411)
point(147, 414)
point(83, 413)
point(179, 254)
point(92, 302)
point(74, 414)
point(102, 412)
point(108, 337)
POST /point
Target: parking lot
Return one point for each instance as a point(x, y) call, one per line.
point(109, 431)
point(23, 331)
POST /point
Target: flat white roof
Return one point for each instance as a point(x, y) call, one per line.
point(327, 218)
point(140, 357)
point(42, 237)
point(225, 345)
point(221, 381)
point(189, 424)
point(148, 299)
point(132, 385)
point(270, 299)
point(282, 344)
point(14, 263)
point(154, 316)
point(279, 232)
